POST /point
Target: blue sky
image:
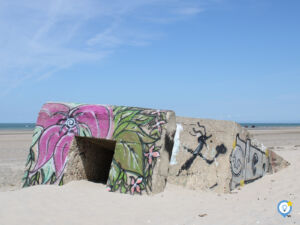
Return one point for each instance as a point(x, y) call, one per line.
point(221, 59)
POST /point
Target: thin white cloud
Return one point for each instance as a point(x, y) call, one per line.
point(39, 38)
point(189, 11)
point(116, 36)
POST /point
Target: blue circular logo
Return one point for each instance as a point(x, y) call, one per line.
point(284, 207)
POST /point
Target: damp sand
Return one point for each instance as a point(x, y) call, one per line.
point(84, 202)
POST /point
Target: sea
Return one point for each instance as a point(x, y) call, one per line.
point(259, 125)
point(17, 126)
point(30, 126)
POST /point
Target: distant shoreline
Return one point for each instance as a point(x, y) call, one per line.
point(270, 125)
point(30, 126)
point(17, 126)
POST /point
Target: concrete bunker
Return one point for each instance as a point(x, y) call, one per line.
point(96, 155)
point(131, 150)
point(122, 147)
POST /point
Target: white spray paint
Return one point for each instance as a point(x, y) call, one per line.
point(264, 148)
point(216, 163)
point(176, 144)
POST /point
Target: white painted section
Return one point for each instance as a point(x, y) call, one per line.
point(176, 144)
point(264, 148)
point(216, 163)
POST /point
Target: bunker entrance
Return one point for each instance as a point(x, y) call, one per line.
point(96, 155)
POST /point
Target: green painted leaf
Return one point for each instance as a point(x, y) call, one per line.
point(116, 109)
point(37, 178)
point(36, 135)
point(122, 119)
point(123, 189)
point(33, 179)
point(155, 133)
point(84, 131)
point(130, 156)
point(117, 119)
point(129, 115)
point(30, 157)
point(125, 178)
point(25, 175)
point(61, 182)
point(142, 186)
point(163, 116)
point(26, 183)
point(47, 171)
point(150, 171)
point(119, 109)
point(147, 173)
point(53, 179)
point(118, 112)
point(128, 136)
point(114, 173)
point(121, 175)
point(120, 128)
point(120, 178)
point(134, 127)
point(132, 139)
point(43, 175)
point(135, 134)
point(146, 139)
point(143, 120)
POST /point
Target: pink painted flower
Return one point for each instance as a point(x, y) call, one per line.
point(135, 184)
point(151, 154)
point(158, 125)
point(109, 189)
point(157, 112)
point(62, 123)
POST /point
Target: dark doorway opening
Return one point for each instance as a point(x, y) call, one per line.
point(96, 155)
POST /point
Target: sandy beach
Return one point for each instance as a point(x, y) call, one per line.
point(84, 202)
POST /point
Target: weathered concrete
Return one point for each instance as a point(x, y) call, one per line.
point(277, 163)
point(136, 150)
point(216, 155)
point(201, 154)
point(89, 159)
point(128, 148)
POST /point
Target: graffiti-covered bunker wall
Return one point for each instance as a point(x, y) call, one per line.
point(217, 155)
point(135, 150)
point(127, 148)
